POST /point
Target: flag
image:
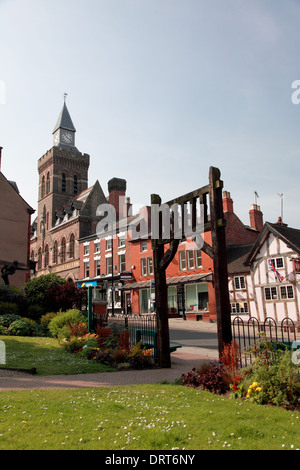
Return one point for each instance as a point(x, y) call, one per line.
point(277, 275)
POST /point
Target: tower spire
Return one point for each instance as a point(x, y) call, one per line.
point(64, 130)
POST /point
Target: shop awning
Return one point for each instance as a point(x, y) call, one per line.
point(171, 281)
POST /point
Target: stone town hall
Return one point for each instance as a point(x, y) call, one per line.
point(66, 205)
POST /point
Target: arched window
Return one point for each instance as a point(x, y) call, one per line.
point(32, 256)
point(46, 257)
point(63, 250)
point(54, 253)
point(75, 184)
point(48, 183)
point(40, 259)
point(72, 246)
point(63, 183)
point(43, 187)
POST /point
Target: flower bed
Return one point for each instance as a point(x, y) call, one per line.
point(110, 346)
point(270, 380)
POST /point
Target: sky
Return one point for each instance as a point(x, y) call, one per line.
point(159, 91)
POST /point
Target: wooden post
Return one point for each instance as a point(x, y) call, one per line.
point(219, 259)
point(161, 300)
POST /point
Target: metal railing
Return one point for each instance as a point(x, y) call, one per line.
point(249, 332)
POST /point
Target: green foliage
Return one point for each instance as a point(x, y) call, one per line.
point(45, 319)
point(36, 289)
point(35, 311)
point(6, 320)
point(8, 308)
point(13, 295)
point(20, 328)
point(58, 326)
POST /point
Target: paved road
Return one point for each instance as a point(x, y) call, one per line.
point(197, 338)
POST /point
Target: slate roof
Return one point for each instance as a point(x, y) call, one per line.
point(64, 120)
point(236, 256)
point(290, 236)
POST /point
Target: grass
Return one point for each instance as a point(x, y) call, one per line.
point(147, 417)
point(47, 356)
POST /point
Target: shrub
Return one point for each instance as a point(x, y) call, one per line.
point(277, 381)
point(6, 320)
point(139, 358)
point(20, 328)
point(78, 329)
point(15, 296)
point(35, 311)
point(36, 289)
point(64, 297)
point(58, 326)
point(8, 308)
point(46, 319)
point(210, 378)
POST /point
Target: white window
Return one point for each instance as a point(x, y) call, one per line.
point(182, 260)
point(241, 307)
point(144, 246)
point(286, 292)
point(97, 267)
point(87, 269)
point(122, 263)
point(276, 262)
point(97, 247)
point(190, 258)
point(121, 241)
point(198, 258)
point(86, 250)
point(271, 293)
point(109, 265)
point(150, 265)
point(239, 282)
point(144, 266)
point(108, 244)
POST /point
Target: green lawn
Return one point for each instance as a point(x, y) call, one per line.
point(150, 417)
point(47, 356)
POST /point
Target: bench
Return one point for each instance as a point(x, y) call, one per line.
point(148, 340)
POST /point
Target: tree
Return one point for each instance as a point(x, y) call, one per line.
point(36, 289)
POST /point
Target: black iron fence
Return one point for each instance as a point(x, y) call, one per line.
point(247, 334)
point(134, 323)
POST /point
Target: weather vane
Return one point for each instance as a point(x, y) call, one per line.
point(65, 96)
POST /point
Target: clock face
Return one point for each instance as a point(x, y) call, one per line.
point(67, 137)
point(56, 139)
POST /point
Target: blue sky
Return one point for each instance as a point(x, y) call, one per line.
point(158, 90)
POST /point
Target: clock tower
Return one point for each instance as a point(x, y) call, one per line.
point(64, 130)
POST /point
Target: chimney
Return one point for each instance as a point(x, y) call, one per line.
point(227, 202)
point(256, 217)
point(117, 190)
point(0, 156)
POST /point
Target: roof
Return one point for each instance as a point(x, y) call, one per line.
point(290, 236)
point(64, 120)
point(236, 256)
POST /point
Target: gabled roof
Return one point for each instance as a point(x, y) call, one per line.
point(64, 120)
point(290, 236)
point(236, 256)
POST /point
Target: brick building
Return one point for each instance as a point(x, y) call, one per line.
point(15, 221)
point(66, 205)
point(121, 267)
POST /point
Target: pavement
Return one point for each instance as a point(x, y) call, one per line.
point(182, 361)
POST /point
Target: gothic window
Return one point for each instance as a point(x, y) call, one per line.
point(75, 184)
point(46, 257)
point(48, 183)
point(43, 187)
point(47, 221)
point(55, 253)
point(72, 246)
point(40, 259)
point(63, 250)
point(63, 183)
